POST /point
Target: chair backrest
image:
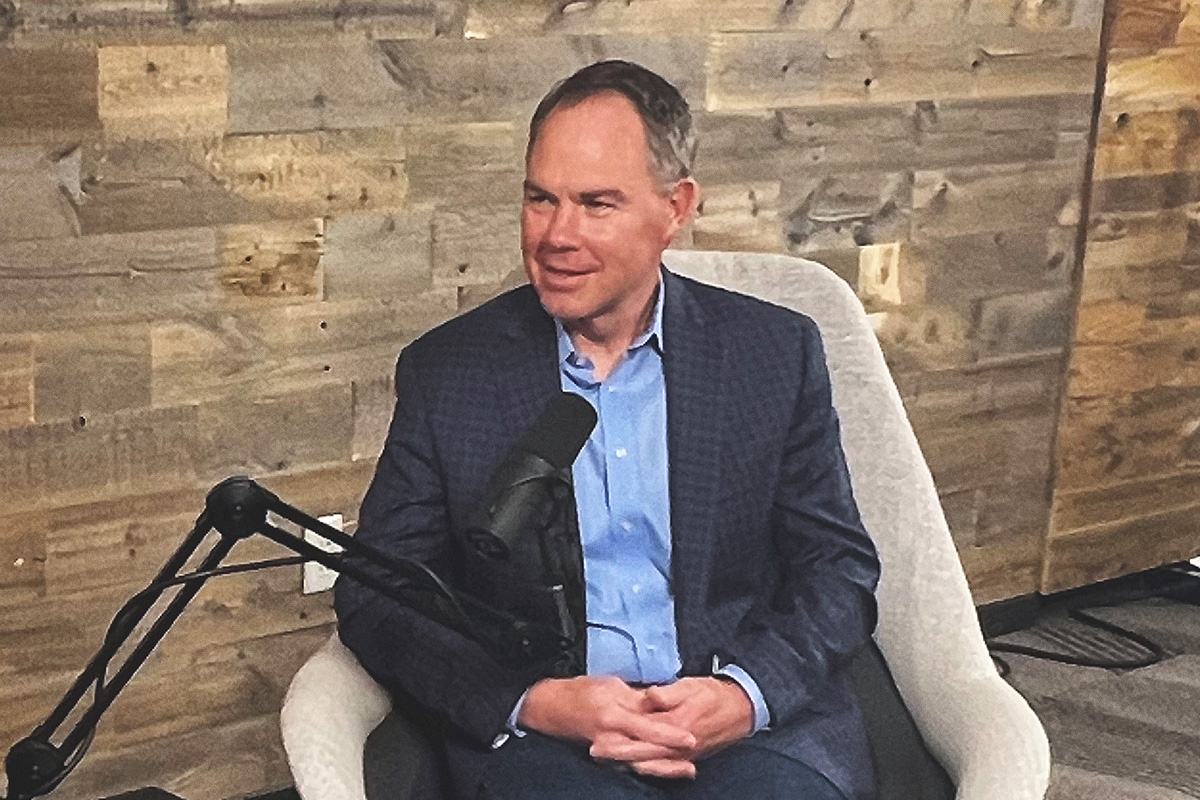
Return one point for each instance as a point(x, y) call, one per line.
point(926, 614)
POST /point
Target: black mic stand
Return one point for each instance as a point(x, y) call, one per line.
point(237, 508)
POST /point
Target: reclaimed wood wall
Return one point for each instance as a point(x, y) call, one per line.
point(221, 219)
point(1127, 496)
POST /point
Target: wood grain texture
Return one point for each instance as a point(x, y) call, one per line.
point(214, 261)
point(86, 371)
point(378, 256)
point(288, 348)
point(16, 381)
point(47, 96)
point(889, 65)
point(37, 205)
point(111, 278)
point(314, 174)
point(156, 92)
point(278, 261)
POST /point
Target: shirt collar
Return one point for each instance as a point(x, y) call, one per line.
point(653, 335)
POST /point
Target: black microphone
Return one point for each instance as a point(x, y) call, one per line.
point(520, 493)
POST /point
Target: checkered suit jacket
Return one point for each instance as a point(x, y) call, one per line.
point(771, 567)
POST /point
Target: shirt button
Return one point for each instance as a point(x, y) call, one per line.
point(622, 452)
point(627, 526)
point(636, 588)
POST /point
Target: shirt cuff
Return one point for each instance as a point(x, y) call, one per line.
point(515, 715)
point(762, 715)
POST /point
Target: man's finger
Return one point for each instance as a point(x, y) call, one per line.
point(654, 731)
point(616, 747)
point(664, 698)
point(666, 768)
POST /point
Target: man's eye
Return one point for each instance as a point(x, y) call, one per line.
point(599, 204)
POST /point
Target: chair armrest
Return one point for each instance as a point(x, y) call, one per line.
point(331, 706)
point(989, 740)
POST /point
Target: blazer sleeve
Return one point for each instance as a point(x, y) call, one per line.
point(823, 610)
point(404, 513)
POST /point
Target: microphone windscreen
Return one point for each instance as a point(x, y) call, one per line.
point(561, 431)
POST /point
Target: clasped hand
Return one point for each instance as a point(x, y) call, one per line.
point(660, 730)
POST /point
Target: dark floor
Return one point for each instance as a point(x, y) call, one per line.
point(1121, 733)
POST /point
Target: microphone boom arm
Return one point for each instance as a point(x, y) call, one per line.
point(237, 509)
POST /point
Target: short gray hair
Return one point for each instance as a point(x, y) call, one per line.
point(664, 112)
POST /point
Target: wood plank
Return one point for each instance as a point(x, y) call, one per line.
point(506, 18)
point(290, 348)
point(278, 261)
point(84, 459)
point(1147, 142)
point(974, 266)
point(206, 765)
point(739, 217)
point(1146, 23)
point(260, 435)
point(1189, 26)
point(374, 402)
point(314, 174)
point(124, 553)
point(164, 91)
point(16, 382)
point(1008, 447)
point(846, 209)
point(476, 245)
point(1114, 502)
point(954, 397)
point(1120, 548)
point(111, 278)
point(1129, 323)
point(378, 255)
point(1099, 370)
point(472, 163)
point(65, 15)
point(1120, 242)
point(1162, 80)
point(1146, 192)
point(83, 372)
point(480, 80)
point(1028, 322)
point(928, 134)
point(993, 198)
point(1002, 571)
point(924, 338)
point(1104, 440)
point(132, 185)
point(48, 96)
point(35, 205)
point(335, 82)
point(898, 64)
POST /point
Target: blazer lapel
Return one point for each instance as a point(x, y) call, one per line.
point(693, 367)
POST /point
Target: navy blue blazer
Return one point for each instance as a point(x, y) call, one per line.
point(771, 567)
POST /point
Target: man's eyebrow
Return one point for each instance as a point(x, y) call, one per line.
point(602, 194)
point(533, 188)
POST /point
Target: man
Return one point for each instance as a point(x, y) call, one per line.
point(724, 577)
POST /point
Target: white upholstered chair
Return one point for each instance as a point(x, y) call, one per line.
point(981, 731)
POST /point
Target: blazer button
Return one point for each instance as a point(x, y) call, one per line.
point(499, 740)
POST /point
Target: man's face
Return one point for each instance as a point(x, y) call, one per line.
point(593, 221)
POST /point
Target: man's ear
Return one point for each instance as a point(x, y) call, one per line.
point(683, 199)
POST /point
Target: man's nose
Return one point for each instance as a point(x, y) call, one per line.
point(563, 230)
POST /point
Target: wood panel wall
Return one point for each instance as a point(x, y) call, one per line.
point(1128, 489)
point(220, 221)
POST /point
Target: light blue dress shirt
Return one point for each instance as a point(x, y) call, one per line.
point(622, 496)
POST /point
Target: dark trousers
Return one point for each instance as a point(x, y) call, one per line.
point(538, 767)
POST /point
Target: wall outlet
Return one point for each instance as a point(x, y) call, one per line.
point(318, 577)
